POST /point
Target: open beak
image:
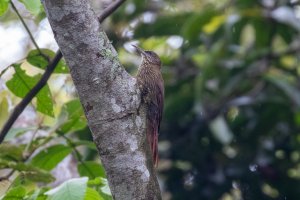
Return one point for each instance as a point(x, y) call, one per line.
point(139, 50)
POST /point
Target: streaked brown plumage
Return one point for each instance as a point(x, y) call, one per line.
point(151, 84)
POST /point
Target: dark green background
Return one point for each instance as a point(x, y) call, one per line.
point(231, 121)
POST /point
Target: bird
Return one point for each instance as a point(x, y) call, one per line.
point(151, 84)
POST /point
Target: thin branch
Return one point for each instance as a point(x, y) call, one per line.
point(110, 9)
point(30, 95)
point(7, 176)
point(28, 146)
point(26, 27)
point(43, 81)
point(4, 70)
point(26, 158)
point(288, 51)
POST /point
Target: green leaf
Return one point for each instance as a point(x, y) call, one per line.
point(104, 188)
point(221, 130)
point(33, 6)
point(36, 59)
point(37, 175)
point(286, 32)
point(194, 25)
point(16, 193)
point(89, 144)
point(32, 173)
point(41, 61)
point(15, 132)
point(51, 156)
point(21, 84)
point(38, 194)
point(99, 181)
point(3, 6)
point(91, 169)
point(76, 119)
point(11, 151)
point(245, 3)
point(291, 91)
point(263, 34)
point(4, 111)
point(28, 171)
point(69, 190)
point(92, 194)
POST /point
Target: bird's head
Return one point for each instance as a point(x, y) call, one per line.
point(148, 56)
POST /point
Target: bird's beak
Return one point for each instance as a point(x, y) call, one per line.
point(139, 50)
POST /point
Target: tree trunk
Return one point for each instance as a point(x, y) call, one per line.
point(109, 96)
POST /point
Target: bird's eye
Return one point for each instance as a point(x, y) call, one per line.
point(152, 54)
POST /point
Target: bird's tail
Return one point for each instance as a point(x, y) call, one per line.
point(152, 136)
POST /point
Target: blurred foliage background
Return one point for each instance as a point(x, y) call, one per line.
point(231, 125)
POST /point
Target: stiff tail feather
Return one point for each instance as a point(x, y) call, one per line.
point(152, 136)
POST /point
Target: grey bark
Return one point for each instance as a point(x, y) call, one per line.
point(109, 96)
